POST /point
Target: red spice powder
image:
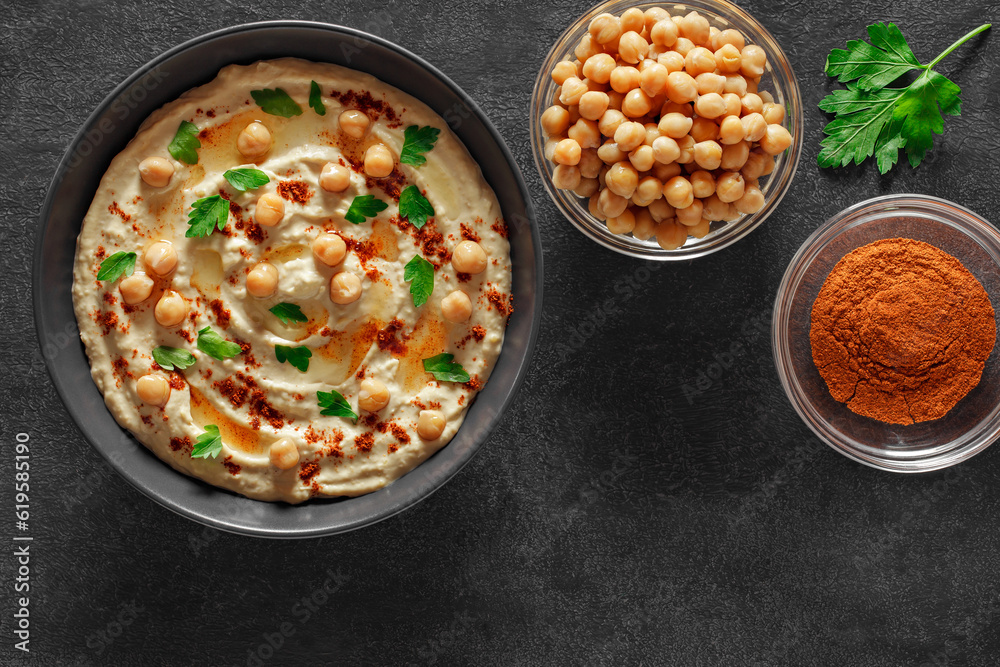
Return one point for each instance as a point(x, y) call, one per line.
point(115, 209)
point(295, 191)
point(108, 320)
point(176, 381)
point(307, 471)
point(326, 331)
point(186, 335)
point(233, 468)
point(479, 333)
point(221, 313)
point(387, 341)
point(399, 433)
point(392, 184)
point(361, 372)
point(365, 102)
point(109, 298)
point(147, 420)
point(504, 303)
point(364, 442)
point(469, 233)
point(475, 383)
point(430, 241)
point(500, 227)
point(180, 444)
point(101, 252)
point(236, 394)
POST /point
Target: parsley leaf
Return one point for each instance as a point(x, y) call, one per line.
point(364, 206)
point(245, 178)
point(288, 312)
point(208, 444)
point(420, 274)
point(115, 265)
point(414, 206)
point(316, 99)
point(170, 357)
point(184, 146)
point(296, 356)
point(214, 345)
point(872, 120)
point(207, 214)
point(276, 102)
point(416, 142)
point(444, 369)
point(335, 405)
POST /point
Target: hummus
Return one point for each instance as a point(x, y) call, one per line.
point(275, 443)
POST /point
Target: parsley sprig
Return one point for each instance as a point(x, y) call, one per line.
point(246, 178)
point(184, 146)
point(414, 206)
point(296, 356)
point(288, 312)
point(214, 345)
point(444, 369)
point(420, 274)
point(207, 214)
point(276, 102)
point(335, 405)
point(208, 444)
point(116, 265)
point(364, 206)
point(417, 141)
point(872, 119)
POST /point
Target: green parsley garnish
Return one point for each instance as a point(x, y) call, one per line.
point(414, 206)
point(296, 356)
point(416, 142)
point(207, 214)
point(364, 206)
point(115, 265)
point(184, 146)
point(874, 120)
point(316, 99)
point(444, 369)
point(245, 178)
point(335, 405)
point(214, 345)
point(170, 357)
point(208, 444)
point(276, 102)
point(288, 312)
point(420, 274)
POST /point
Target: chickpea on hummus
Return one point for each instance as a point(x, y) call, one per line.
point(292, 282)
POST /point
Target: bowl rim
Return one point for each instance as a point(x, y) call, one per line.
point(790, 282)
point(739, 229)
point(238, 523)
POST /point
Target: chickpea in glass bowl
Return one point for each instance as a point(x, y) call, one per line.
point(666, 134)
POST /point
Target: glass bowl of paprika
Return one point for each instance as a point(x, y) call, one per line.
point(939, 437)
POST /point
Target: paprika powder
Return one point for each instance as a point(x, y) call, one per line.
point(901, 331)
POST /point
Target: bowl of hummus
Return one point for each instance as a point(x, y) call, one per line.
point(304, 274)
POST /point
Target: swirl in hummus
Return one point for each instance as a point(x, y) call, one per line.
point(289, 277)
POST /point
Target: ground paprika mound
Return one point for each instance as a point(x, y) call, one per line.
point(901, 331)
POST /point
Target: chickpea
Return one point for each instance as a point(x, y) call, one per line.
point(563, 70)
point(731, 130)
point(751, 201)
point(664, 33)
point(610, 204)
point(625, 78)
point(673, 61)
point(681, 87)
point(254, 140)
point(566, 177)
point(587, 187)
point(768, 166)
point(430, 424)
point(753, 168)
point(702, 183)
point(590, 163)
point(685, 109)
point(670, 235)
point(156, 172)
point(636, 103)
point(555, 120)
point(598, 68)
point(593, 104)
point(270, 209)
point(695, 27)
point(710, 106)
point(283, 454)
point(751, 86)
point(586, 133)
point(610, 121)
point(653, 78)
point(623, 224)
point(665, 150)
point(733, 104)
point(262, 281)
point(683, 46)
point(699, 60)
point(766, 97)
point(730, 186)
point(171, 309)
point(642, 158)
point(728, 59)
point(701, 230)
point(456, 307)
point(610, 153)
point(605, 28)
point(354, 123)
point(709, 82)
point(754, 126)
point(630, 135)
point(567, 152)
point(753, 60)
point(708, 155)
point(664, 172)
point(775, 140)
point(714, 208)
point(345, 288)
point(735, 84)
point(622, 179)
point(633, 19)
point(594, 206)
point(735, 156)
point(690, 216)
point(571, 91)
point(160, 258)
point(587, 47)
point(550, 148)
point(751, 103)
point(773, 113)
point(593, 86)
point(652, 133)
point(329, 248)
point(703, 129)
point(678, 192)
point(379, 162)
point(153, 390)
point(729, 36)
point(645, 226)
point(686, 144)
point(136, 288)
point(649, 188)
point(469, 257)
point(373, 395)
point(654, 15)
point(674, 125)
point(632, 47)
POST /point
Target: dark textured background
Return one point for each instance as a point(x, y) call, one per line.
point(610, 519)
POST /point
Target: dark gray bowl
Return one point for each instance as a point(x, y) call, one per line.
point(106, 133)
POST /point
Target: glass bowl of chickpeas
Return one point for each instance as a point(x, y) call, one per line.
point(669, 131)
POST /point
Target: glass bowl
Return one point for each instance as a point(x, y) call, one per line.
point(778, 79)
point(974, 423)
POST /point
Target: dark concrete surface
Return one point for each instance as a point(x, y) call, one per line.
point(613, 518)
